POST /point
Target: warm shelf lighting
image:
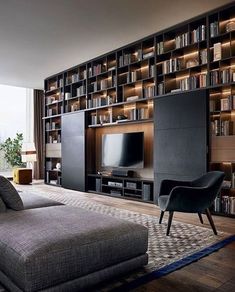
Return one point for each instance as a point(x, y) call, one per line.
point(225, 44)
point(190, 54)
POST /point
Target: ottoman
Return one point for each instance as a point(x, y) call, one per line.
point(64, 248)
point(22, 176)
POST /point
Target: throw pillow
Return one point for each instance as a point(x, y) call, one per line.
point(9, 195)
point(2, 206)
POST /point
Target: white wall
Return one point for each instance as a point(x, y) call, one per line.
point(16, 113)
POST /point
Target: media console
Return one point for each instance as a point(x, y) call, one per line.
point(124, 187)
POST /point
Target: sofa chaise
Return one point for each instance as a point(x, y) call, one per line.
point(48, 246)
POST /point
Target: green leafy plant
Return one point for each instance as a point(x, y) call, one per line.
point(12, 150)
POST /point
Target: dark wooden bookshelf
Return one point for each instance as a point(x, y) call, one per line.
point(176, 60)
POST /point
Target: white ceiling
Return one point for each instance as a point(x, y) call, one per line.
point(41, 37)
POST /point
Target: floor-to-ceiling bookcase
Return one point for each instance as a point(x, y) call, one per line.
point(117, 92)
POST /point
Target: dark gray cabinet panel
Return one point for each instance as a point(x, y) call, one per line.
point(180, 137)
point(73, 151)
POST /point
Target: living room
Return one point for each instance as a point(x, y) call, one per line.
point(117, 145)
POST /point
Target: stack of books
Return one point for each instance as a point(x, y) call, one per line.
point(198, 34)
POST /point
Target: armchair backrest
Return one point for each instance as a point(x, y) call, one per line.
point(212, 181)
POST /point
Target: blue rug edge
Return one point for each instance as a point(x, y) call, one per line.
point(156, 274)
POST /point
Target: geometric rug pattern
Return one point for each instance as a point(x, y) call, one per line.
point(184, 240)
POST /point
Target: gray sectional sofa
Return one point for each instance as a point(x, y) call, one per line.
point(48, 246)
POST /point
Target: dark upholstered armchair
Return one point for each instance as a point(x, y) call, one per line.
point(190, 196)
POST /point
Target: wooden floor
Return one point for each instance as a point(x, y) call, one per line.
point(215, 272)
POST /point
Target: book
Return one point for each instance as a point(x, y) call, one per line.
point(217, 51)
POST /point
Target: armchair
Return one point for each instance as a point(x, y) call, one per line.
point(190, 196)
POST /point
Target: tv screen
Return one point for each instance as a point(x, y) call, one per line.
point(123, 150)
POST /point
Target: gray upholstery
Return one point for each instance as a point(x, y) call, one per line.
point(190, 196)
point(2, 206)
point(45, 247)
point(90, 280)
point(10, 195)
point(32, 201)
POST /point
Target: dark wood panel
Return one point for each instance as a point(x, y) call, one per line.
point(180, 137)
point(73, 151)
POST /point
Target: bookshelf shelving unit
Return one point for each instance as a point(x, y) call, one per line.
point(221, 47)
point(118, 88)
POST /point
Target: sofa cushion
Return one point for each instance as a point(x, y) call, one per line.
point(43, 247)
point(2, 206)
point(9, 195)
point(32, 201)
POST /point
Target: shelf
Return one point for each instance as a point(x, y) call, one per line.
point(75, 97)
point(132, 189)
point(51, 117)
point(54, 103)
point(121, 123)
point(183, 48)
point(102, 73)
point(52, 130)
point(220, 35)
point(72, 83)
point(53, 90)
point(100, 90)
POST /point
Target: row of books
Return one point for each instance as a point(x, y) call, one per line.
point(101, 119)
point(223, 104)
point(214, 29)
point(54, 139)
point(198, 34)
point(81, 90)
point(149, 91)
point(191, 82)
point(96, 69)
point(127, 59)
point(54, 111)
point(171, 65)
point(225, 204)
point(221, 127)
point(52, 126)
point(221, 76)
point(102, 84)
point(182, 40)
point(97, 102)
point(76, 77)
point(138, 114)
point(54, 99)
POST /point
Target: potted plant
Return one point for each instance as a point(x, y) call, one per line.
point(12, 150)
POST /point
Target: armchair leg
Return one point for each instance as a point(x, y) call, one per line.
point(171, 213)
point(208, 214)
point(200, 217)
point(161, 216)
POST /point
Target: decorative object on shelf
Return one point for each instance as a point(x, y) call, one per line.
point(58, 166)
point(191, 63)
point(230, 26)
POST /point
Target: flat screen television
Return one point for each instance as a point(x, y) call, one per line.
point(123, 150)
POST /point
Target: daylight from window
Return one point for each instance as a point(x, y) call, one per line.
point(14, 115)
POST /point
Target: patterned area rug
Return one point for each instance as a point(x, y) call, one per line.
point(184, 239)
